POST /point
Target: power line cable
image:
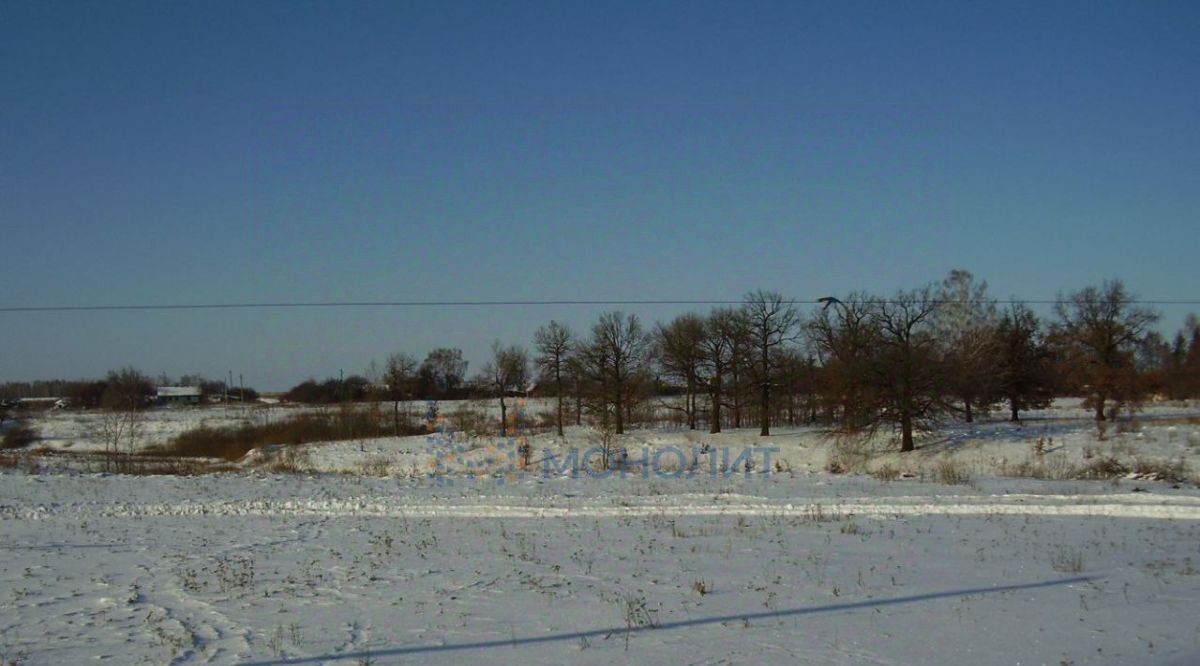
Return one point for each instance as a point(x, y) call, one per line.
point(489, 303)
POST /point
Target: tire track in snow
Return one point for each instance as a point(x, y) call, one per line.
point(1117, 506)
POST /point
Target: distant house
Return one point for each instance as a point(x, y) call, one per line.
point(177, 395)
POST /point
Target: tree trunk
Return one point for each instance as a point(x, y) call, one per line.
point(396, 416)
point(764, 418)
point(1100, 408)
point(765, 411)
point(578, 404)
point(714, 425)
point(691, 402)
point(737, 401)
point(906, 433)
point(1015, 418)
point(503, 416)
point(558, 390)
point(620, 412)
point(967, 404)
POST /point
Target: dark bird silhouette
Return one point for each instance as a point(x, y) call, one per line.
point(827, 301)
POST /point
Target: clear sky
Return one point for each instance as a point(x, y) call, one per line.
point(189, 152)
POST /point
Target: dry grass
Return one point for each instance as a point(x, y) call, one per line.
point(1060, 468)
point(1171, 471)
point(1067, 560)
point(850, 454)
point(1105, 467)
point(951, 471)
point(886, 472)
point(287, 460)
point(377, 465)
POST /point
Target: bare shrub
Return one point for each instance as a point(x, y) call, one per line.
point(1106, 467)
point(1175, 471)
point(378, 465)
point(235, 442)
point(1067, 560)
point(849, 454)
point(951, 472)
point(119, 429)
point(18, 437)
point(288, 459)
point(886, 472)
point(473, 421)
point(1050, 466)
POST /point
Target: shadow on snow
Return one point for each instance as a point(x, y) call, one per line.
point(665, 626)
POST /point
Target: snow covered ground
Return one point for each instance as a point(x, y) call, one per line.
point(296, 569)
point(441, 549)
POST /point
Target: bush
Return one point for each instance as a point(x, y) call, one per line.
point(328, 392)
point(18, 437)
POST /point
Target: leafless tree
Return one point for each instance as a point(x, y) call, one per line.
point(1099, 329)
point(797, 375)
point(721, 328)
point(400, 375)
point(576, 369)
point(615, 358)
point(845, 337)
point(554, 343)
point(772, 321)
point(966, 325)
point(507, 371)
point(678, 348)
point(908, 365)
point(442, 372)
point(741, 364)
point(1024, 363)
point(123, 404)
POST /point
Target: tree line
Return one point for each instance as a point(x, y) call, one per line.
point(906, 361)
point(124, 386)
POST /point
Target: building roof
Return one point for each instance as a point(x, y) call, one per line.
point(178, 391)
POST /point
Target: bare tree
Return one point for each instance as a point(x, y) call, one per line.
point(1182, 373)
point(1100, 328)
point(721, 328)
point(400, 374)
point(442, 372)
point(1024, 363)
point(678, 348)
point(126, 395)
point(576, 368)
point(508, 370)
point(797, 374)
point(845, 337)
point(966, 323)
point(741, 361)
point(554, 343)
point(772, 322)
point(908, 363)
point(615, 358)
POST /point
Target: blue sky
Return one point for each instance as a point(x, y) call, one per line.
point(229, 152)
